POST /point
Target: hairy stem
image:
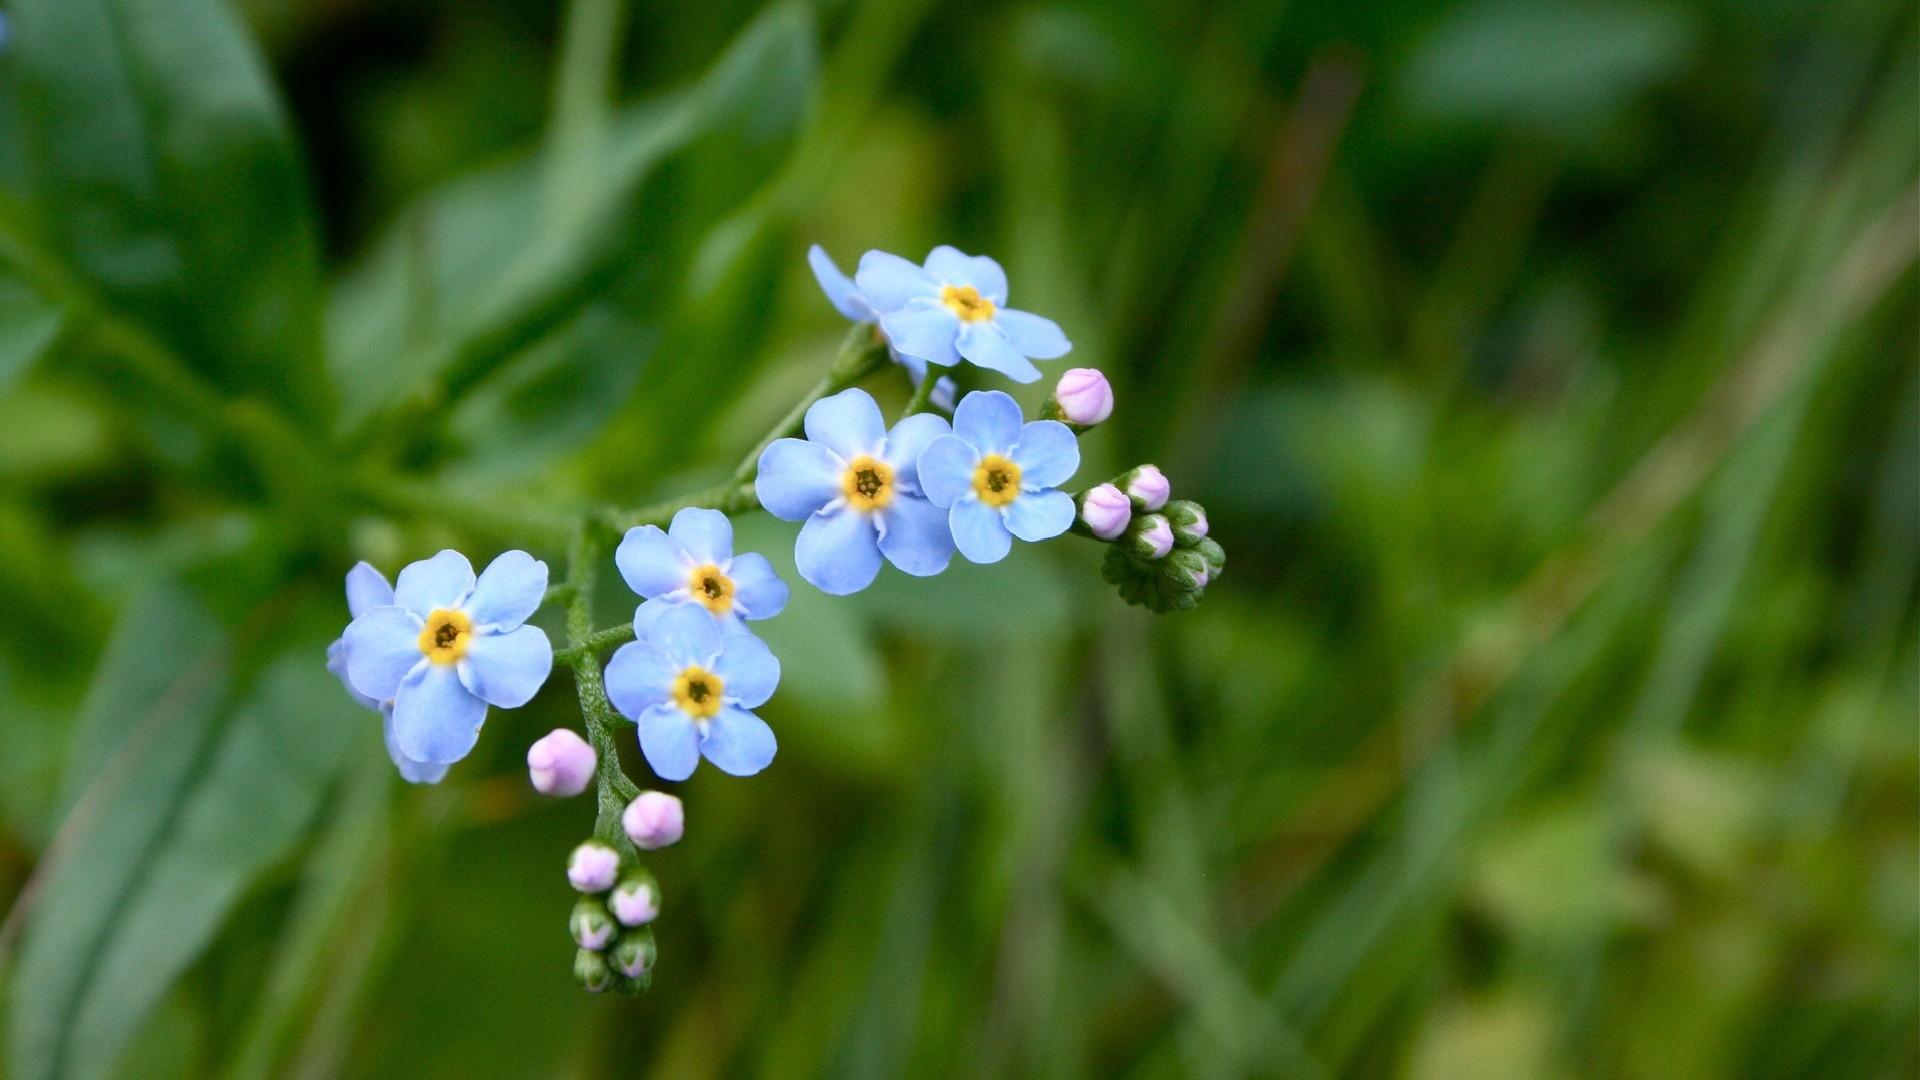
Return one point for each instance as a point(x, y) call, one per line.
point(615, 790)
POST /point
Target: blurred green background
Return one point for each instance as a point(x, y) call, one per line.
point(1548, 368)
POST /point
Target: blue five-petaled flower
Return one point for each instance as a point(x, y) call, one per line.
point(690, 684)
point(954, 308)
point(848, 300)
point(854, 484)
point(447, 646)
point(692, 562)
point(997, 478)
point(367, 589)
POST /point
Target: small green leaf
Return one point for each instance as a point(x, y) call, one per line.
point(154, 164)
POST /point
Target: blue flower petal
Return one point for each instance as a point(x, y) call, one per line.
point(914, 536)
point(1034, 335)
point(640, 677)
point(840, 290)
point(990, 420)
point(413, 772)
point(945, 468)
point(687, 634)
point(748, 668)
point(367, 589)
point(435, 719)
point(979, 532)
point(905, 442)
point(382, 647)
point(986, 345)
point(509, 591)
point(797, 477)
point(889, 281)
point(838, 552)
point(506, 670)
point(738, 742)
point(925, 331)
point(848, 423)
point(670, 742)
point(1039, 515)
point(337, 665)
point(952, 266)
point(649, 562)
point(1047, 453)
point(758, 592)
point(439, 582)
point(706, 535)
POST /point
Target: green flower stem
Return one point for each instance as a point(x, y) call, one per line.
point(615, 790)
point(593, 643)
point(922, 399)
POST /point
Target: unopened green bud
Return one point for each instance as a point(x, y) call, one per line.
point(1186, 569)
point(591, 969)
point(591, 924)
point(634, 954)
point(1149, 537)
point(1215, 555)
point(1189, 521)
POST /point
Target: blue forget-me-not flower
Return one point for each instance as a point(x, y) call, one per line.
point(367, 589)
point(692, 562)
point(848, 300)
point(954, 308)
point(447, 646)
point(690, 685)
point(998, 478)
point(853, 482)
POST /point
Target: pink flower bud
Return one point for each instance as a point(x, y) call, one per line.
point(1106, 510)
point(635, 902)
point(593, 867)
point(1153, 537)
point(561, 763)
point(1149, 487)
point(1084, 396)
point(654, 820)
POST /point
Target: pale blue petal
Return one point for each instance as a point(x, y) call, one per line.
point(367, 589)
point(704, 534)
point(979, 532)
point(649, 562)
point(914, 536)
point(848, 423)
point(506, 670)
point(926, 331)
point(889, 281)
point(382, 647)
point(748, 668)
point(796, 478)
point(413, 772)
point(1034, 335)
point(758, 592)
point(943, 392)
point(435, 719)
point(686, 633)
point(670, 742)
point(837, 552)
point(1039, 515)
point(337, 664)
point(946, 468)
point(905, 442)
point(840, 290)
point(951, 266)
point(990, 420)
point(439, 582)
point(738, 742)
point(1048, 454)
point(985, 345)
point(509, 591)
point(640, 677)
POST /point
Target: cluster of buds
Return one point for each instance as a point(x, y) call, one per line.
point(612, 921)
point(1160, 555)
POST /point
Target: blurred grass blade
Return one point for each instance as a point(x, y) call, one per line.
point(156, 167)
point(28, 326)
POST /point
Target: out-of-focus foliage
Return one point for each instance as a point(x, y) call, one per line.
point(1548, 370)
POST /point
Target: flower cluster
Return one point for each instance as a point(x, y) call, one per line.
point(965, 473)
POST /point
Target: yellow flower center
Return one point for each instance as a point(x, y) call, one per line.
point(697, 691)
point(712, 588)
point(966, 302)
point(444, 639)
point(996, 480)
point(867, 483)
